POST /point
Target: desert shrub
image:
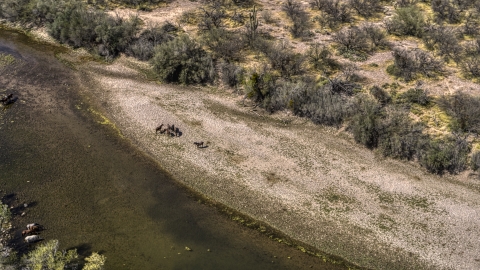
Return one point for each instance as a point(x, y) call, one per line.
point(376, 35)
point(365, 123)
point(267, 16)
point(15, 10)
point(444, 40)
point(408, 21)
point(470, 66)
point(243, 2)
point(464, 109)
point(94, 262)
point(259, 84)
point(212, 16)
point(475, 160)
point(366, 8)
point(114, 35)
point(5, 217)
point(320, 103)
point(320, 57)
point(135, 3)
point(410, 63)
point(81, 27)
point(183, 60)
point(413, 95)
point(404, 3)
point(224, 44)
point(352, 40)
point(231, 74)
point(381, 95)
point(446, 10)
point(470, 62)
point(448, 154)
point(282, 58)
point(143, 47)
point(398, 135)
point(48, 256)
point(75, 26)
point(356, 42)
point(335, 12)
point(299, 17)
point(472, 24)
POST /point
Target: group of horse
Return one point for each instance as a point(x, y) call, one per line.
point(8, 99)
point(32, 233)
point(173, 131)
point(170, 130)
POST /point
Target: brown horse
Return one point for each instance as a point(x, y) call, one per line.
point(7, 99)
point(199, 144)
point(32, 229)
point(159, 128)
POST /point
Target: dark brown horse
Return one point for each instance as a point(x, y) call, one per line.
point(32, 229)
point(7, 99)
point(159, 128)
point(199, 144)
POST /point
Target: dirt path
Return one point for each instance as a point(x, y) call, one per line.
point(312, 183)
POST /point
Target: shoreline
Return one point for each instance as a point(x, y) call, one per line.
point(312, 183)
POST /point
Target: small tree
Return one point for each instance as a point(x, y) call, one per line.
point(183, 60)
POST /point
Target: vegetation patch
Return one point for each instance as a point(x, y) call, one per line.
point(6, 59)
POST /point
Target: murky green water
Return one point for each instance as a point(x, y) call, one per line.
point(94, 192)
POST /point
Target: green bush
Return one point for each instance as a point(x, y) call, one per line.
point(15, 10)
point(232, 75)
point(320, 58)
point(464, 109)
point(143, 47)
point(259, 84)
point(444, 40)
point(446, 10)
point(399, 136)
point(408, 64)
point(183, 60)
point(5, 216)
point(445, 155)
point(366, 121)
point(284, 59)
point(408, 21)
point(413, 95)
point(224, 44)
point(334, 12)
point(322, 105)
point(475, 160)
point(94, 262)
point(48, 256)
point(382, 96)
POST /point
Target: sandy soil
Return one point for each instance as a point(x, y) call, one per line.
point(312, 183)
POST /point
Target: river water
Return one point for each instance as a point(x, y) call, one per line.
point(93, 191)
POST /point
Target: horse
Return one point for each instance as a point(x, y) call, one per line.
point(199, 144)
point(31, 225)
point(178, 133)
point(29, 232)
point(159, 128)
point(32, 239)
point(7, 99)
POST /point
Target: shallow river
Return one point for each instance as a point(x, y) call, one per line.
point(94, 192)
